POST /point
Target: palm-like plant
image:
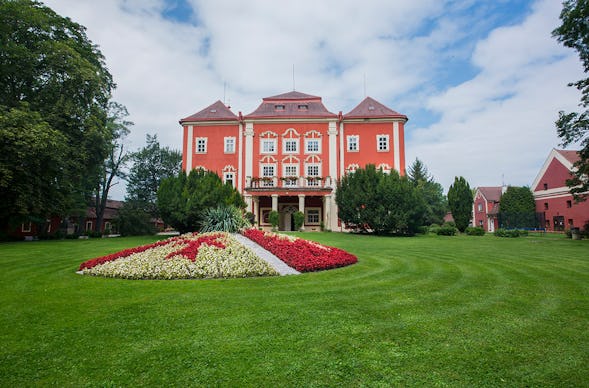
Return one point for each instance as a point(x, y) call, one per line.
point(223, 219)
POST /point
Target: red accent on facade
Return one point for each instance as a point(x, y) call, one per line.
point(552, 194)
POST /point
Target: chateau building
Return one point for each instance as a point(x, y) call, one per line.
point(288, 154)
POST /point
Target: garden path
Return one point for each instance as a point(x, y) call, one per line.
point(279, 265)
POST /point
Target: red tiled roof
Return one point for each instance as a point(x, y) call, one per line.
point(492, 193)
point(215, 112)
point(370, 108)
point(291, 104)
point(570, 155)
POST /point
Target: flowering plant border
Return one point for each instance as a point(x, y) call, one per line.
point(302, 255)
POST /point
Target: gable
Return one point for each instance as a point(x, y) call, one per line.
point(554, 176)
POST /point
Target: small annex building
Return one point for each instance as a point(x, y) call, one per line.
point(288, 154)
point(552, 195)
point(485, 207)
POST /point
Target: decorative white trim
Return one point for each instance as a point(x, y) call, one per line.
point(249, 149)
point(332, 132)
point(269, 134)
point(342, 154)
point(350, 137)
point(319, 145)
point(388, 143)
point(292, 133)
point(196, 141)
point(313, 134)
point(295, 140)
point(240, 158)
point(189, 149)
point(229, 168)
point(396, 147)
point(554, 154)
point(291, 159)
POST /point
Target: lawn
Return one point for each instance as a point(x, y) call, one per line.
point(429, 310)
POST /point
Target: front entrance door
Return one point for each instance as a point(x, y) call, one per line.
point(287, 218)
point(558, 223)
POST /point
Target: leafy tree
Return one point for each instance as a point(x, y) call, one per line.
point(113, 164)
point(182, 199)
point(52, 73)
point(32, 157)
point(432, 192)
point(372, 200)
point(573, 127)
point(151, 165)
point(132, 220)
point(460, 201)
point(517, 208)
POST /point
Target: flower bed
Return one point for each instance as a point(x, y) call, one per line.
point(190, 256)
point(303, 255)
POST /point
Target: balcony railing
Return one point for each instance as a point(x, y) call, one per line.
point(289, 182)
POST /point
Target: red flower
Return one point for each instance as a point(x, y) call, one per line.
point(302, 255)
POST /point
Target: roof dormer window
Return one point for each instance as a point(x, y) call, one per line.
point(279, 107)
point(371, 107)
point(303, 107)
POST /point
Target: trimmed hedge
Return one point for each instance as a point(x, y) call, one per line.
point(475, 231)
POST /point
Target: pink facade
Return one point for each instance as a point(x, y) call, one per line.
point(288, 154)
point(552, 194)
point(486, 207)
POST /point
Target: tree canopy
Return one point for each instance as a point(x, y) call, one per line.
point(517, 208)
point(460, 201)
point(182, 199)
point(54, 95)
point(372, 200)
point(573, 127)
point(432, 192)
point(151, 164)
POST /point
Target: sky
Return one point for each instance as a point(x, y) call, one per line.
point(482, 81)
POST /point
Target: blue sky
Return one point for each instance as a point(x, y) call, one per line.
point(481, 81)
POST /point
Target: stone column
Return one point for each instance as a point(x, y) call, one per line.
point(189, 150)
point(275, 202)
point(256, 209)
point(249, 149)
point(332, 151)
point(396, 147)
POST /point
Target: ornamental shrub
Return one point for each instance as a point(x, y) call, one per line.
point(274, 218)
point(446, 231)
point(476, 231)
point(223, 219)
point(509, 233)
point(299, 219)
point(433, 228)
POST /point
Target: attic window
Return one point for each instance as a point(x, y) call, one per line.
point(213, 111)
point(303, 107)
point(279, 107)
point(370, 107)
point(545, 186)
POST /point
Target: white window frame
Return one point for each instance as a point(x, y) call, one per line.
point(26, 227)
point(479, 207)
point(386, 143)
point(285, 149)
point(200, 141)
point(229, 175)
point(88, 226)
point(310, 182)
point(356, 140)
point(295, 174)
point(229, 144)
point(263, 166)
point(263, 142)
point(308, 141)
point(315, 210)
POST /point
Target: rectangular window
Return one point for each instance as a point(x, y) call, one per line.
point(201, 145)
point(312, 146)
point(229, 178)
point(312, 216)
point(290, 171)
point(480, 207)
point(88, 225)
point(545, 205)
point(545, 186)
point(291, 146)
point(268, 173)
point(25, 227)
point(481, 223)
point(569, 204)
point(268, 146)
point(382, 143)
point(353, 143)
point(312, 171)
point(229, 145)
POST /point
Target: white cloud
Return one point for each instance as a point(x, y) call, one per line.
point(499, 121)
